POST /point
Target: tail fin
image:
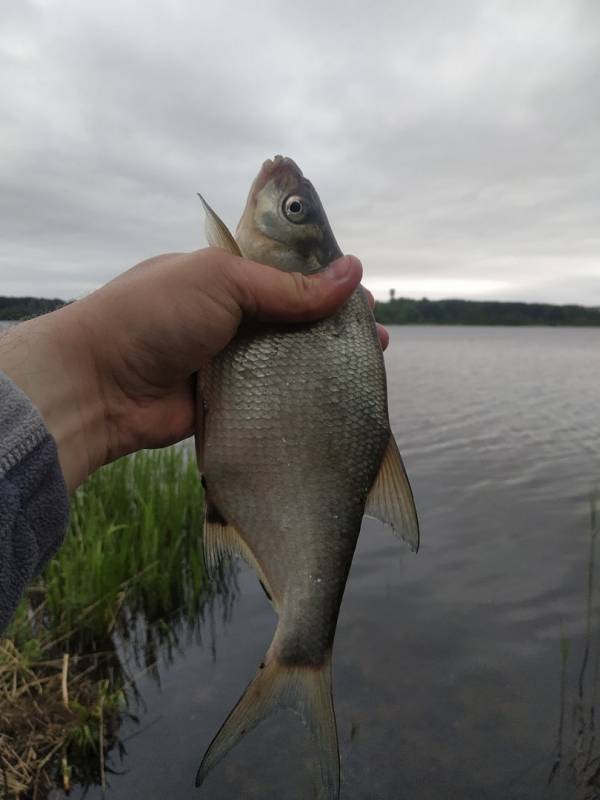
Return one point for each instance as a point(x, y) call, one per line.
point(305, 690)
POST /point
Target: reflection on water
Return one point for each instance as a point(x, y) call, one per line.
point(140, 648)
point(145, 644)
point(161, 631)
point(101, 673)
point(150, 645)
point(447, 665)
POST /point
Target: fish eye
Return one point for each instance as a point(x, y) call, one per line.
point(294, 208)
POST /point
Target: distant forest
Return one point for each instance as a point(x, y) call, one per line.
point(12, 308)
point(402, 311)
point(397, 311)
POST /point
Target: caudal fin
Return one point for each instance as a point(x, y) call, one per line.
point(305, 690)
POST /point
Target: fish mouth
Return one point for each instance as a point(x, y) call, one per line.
point(278, 167)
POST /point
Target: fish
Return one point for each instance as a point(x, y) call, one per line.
point(294, 446)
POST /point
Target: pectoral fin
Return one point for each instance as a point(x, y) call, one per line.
point(217, 233)
point(391, 498)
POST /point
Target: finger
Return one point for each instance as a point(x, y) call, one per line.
point(271, 294)
point(384, 337)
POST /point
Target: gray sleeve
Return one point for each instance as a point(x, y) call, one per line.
point(34, 503)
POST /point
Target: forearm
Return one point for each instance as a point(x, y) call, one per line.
point(48, 360)
point(34, 503)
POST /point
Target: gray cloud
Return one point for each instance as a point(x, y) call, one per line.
point(454, 145)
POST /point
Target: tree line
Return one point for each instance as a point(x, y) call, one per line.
point(18, 308)
point(397, 311)
point(403, 311)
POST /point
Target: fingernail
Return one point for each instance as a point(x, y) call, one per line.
point(339, 269)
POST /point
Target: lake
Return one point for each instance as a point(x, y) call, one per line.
point(470, 670)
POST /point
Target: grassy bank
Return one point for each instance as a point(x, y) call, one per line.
point(129, 579)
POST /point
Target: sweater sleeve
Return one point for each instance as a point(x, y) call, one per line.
point(34, 503)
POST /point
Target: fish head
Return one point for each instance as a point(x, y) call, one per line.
point(284, 224)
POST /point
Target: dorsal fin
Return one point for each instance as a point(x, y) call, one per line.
point(391, 499)
point(217, 233)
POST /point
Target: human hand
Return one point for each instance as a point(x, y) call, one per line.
point(113, 372)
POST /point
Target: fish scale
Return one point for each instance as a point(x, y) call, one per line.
point(294, 446)
point(295, 481)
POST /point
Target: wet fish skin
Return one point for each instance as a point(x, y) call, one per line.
point(296, 427)
point(295, 431)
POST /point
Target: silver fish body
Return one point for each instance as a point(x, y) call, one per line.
point(295, 432)
point(296, 427)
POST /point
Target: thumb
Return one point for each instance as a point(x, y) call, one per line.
point(272, 294)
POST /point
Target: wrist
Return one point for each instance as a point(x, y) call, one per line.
point(49, 359)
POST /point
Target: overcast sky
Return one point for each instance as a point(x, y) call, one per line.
point(455, 145)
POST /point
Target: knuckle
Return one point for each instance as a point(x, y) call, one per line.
point(306, 288)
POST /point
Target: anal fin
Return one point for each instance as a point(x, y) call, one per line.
point(391, 499)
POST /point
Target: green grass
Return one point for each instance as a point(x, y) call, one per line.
point(133, 548)
point(129, 579)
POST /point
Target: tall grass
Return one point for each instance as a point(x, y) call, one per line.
point(133, 542)
point(129, 578)
point(133, 548)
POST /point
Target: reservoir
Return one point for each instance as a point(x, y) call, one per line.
point(470, 670)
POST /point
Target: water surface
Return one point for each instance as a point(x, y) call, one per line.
point(448, 675)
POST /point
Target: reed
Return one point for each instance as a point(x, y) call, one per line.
point(132, 545)
point(129, 578)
